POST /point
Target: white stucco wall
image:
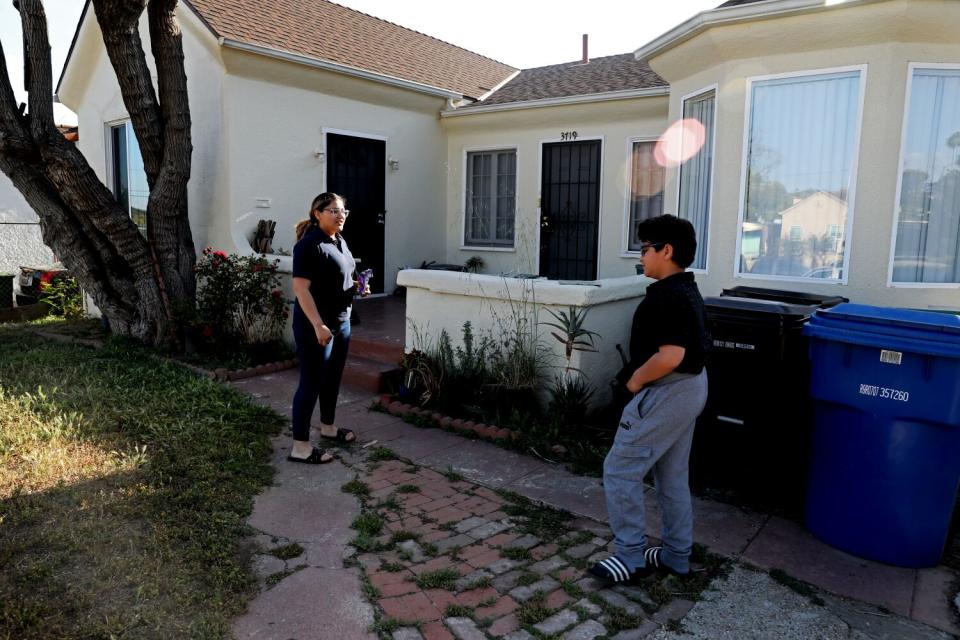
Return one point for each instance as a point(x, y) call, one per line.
point(883, 36)
point(90, 89)
point(276, 121)
point(444, 300)
point(616, 123)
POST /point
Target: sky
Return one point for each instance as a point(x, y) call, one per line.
point(521, 33)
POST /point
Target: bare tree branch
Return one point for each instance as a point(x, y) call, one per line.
point(39, 73)
point(168, 201)
point(119, 22)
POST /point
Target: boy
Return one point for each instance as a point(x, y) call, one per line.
point(669, 343)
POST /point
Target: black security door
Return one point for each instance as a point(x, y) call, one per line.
point(355, 170)
point(569, 210)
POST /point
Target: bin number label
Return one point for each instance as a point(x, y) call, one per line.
point(890, 357)
point(884, 392)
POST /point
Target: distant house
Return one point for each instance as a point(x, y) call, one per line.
point(822, 142)
point(21, 243)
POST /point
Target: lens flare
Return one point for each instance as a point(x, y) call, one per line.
point(680, 142)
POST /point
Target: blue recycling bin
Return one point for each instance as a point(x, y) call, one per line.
point(885, 457)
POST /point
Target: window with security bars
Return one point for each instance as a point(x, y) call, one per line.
point(491, 198)
point(646, 189)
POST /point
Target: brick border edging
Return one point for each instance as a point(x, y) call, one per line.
point(222, 374)
point(439, 420)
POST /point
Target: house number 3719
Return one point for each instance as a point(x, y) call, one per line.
point(568, 135)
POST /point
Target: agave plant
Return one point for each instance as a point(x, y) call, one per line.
point(571, 332)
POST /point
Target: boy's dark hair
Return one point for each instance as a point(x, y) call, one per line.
point(674, 231)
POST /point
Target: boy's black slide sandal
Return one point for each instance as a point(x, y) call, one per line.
point(315, 457)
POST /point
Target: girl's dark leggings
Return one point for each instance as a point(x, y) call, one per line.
point(321, 369)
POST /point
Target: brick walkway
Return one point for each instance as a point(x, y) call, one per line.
point(435, 530)
point(451, 559)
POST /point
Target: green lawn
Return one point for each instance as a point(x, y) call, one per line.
point(124, 485)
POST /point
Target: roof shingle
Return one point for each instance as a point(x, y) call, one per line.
point(330, 32)
point(601, 75)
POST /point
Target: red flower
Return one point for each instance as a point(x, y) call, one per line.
point(207, 331)
point(220, 254)
point(276, 293)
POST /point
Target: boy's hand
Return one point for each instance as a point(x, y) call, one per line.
point(635, 383)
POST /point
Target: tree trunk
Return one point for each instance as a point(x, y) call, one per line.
point(136, 282)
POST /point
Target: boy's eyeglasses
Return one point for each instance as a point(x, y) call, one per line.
point(344, 212)
point(656, 246)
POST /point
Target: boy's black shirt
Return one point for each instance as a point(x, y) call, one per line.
point(671, 313)
point(329, 265)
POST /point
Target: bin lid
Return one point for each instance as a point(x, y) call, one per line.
point(729, 305)
point(782, 295)
point(929, 332)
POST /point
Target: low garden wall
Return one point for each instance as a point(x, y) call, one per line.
point(444, 300)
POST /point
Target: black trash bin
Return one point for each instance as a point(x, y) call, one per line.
point(751, 444)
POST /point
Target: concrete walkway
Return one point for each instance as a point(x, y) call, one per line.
point(314, 596)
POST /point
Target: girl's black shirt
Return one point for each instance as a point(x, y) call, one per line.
point(329, 266)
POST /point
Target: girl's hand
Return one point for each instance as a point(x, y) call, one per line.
point(634, 385)
point(324, 335)
point(366, 289)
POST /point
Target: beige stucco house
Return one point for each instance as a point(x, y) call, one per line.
point(752, 119)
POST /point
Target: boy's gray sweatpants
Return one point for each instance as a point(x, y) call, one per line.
point(656, 431)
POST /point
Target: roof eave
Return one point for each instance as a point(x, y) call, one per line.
point(317, 63)
point(733, 15)
point(646, 92)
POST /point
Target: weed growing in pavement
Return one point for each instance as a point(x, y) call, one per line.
point(571, 588)
point(534, 610)
point(544, 522)
point(287, 551)
point(366, 543)
point(274, 578)
point(381, 453)
point(391, 503)
point(439, 579)
point(357, 487)
point(488, 602)
point(367, 523)
point(403, 536)
point(408, 488)
point(452, 475)
point(369, 591)
point(480, 583)
point(527, 578)
point(799, 586)
point(515, 553)
point(391, 567)
point(384, 627)
point(617, 618)
point(429, 548)
point(457, 611)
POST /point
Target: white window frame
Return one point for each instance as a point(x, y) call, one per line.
point(625, 251)
point(108, 128)
point(854, 173)
point(911, 67)
point(585, 138)
point(463, 246)
point(715, 87)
